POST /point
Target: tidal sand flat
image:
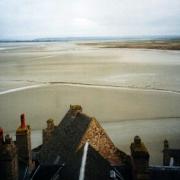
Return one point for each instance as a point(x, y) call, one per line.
point(123, 113)
point(168, 44)
point(129, 91)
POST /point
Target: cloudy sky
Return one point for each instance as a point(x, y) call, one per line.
point(58, 18)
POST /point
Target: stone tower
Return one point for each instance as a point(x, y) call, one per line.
point(23, 142)
point(140, 158)
point(47, 133)
point(8, 158)
point(166, 157)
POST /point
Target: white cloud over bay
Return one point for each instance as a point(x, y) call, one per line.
point(54, 18)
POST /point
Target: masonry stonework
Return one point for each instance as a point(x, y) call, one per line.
point(100, 141)
point(47, 133)
point(140, 157)
point(8, 160)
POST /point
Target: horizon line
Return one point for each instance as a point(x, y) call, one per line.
point(70, 38)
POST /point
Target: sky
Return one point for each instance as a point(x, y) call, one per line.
point(28, 19)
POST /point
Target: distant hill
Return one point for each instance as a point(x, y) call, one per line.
point(95, 38)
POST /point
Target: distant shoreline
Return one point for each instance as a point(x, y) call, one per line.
point(96, 38)
point(132, 43)
point(141, 44)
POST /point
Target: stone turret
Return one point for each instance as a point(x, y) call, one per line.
point(140, 157)
point(8, 158)
point(23, 142)
point(166, 157)
point(47, 133)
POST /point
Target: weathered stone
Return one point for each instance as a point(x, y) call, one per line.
point(140, 157)
point(47, 133)
point(8, 160)
point(100, 141)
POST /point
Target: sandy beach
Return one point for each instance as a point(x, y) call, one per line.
point(129, 91)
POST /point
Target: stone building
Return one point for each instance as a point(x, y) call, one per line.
point(79, 149)
point(74, 130)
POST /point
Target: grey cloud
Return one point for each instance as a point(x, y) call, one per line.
point(91, 17)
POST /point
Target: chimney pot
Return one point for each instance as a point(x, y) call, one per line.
point(1, 135)
point(23, 121)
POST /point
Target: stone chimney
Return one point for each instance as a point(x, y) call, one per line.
point(75, 109)
point(140, 158)
point(47, 133)
point(8, 160)
point(23, 142)
point(166, 157)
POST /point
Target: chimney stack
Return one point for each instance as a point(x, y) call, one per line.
point(8, 159)
point(1, 136)
point(47, 133)
point(23, 142)
point(166, 157)
point(140, 156)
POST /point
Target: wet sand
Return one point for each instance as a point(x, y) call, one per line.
point(130, 92)
point(38, 63)
point(124, 113)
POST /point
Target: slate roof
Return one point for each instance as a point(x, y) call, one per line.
point(96, 167)
point(46, 172)
point(175, 153)
point(65, 139)
point(164, 173)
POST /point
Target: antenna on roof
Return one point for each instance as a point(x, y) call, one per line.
point(83, 162)
point(57, 160)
